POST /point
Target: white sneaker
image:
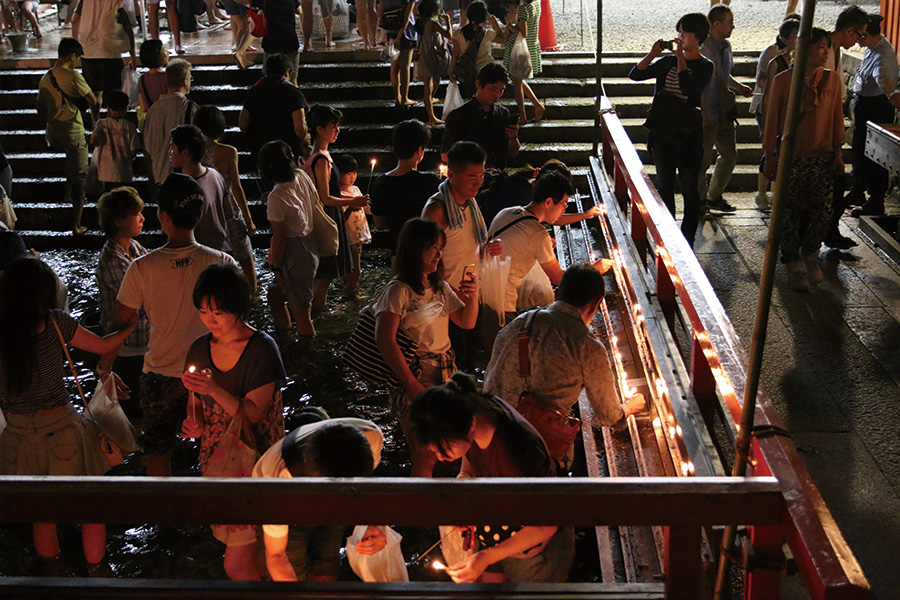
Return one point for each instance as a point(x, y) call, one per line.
point(813, 271)
point(796, 270)
point(762, 202)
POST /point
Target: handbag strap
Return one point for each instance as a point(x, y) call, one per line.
point(65, 348)
point(524, 357)
point(517, 221)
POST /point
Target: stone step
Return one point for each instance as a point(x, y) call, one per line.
point(579, 65)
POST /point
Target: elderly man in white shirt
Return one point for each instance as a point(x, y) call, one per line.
point(875, 83)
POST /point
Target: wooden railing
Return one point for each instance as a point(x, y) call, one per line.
point(682, 506)
point(716, 362)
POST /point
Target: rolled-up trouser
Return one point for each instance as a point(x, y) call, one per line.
point(74, 145)
point(722, 138)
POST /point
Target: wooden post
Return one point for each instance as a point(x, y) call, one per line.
point(682, 563)
point(665, 293)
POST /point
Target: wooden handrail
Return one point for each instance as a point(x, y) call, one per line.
point(826, 563)
point(404, 501)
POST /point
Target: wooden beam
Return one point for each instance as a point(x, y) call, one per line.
point(147, 589)
point(404, 501)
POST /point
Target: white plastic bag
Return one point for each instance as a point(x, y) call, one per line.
point(385, 565)
point(494, 281)
point(453, 99)
point(130, 85)
point(7, 213)
point(536, 289)
point(92, 184)
point(520, 60)
point(109, 416)
point(390, 53)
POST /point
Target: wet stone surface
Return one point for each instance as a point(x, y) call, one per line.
point(316, 378)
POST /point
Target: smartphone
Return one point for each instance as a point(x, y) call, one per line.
point(666, 44)
point(468, 273)
point(513, 116)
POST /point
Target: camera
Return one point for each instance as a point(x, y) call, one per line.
point(666, 44)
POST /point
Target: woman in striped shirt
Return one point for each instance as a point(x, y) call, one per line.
point(675, 122)
point(45, 435)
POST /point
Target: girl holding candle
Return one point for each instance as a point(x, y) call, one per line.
point(324, 125)
point(232, 366)
point(455, 421)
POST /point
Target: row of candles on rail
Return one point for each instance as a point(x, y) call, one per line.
point(671, 430)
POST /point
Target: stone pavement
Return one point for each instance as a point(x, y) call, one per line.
point(832, 368)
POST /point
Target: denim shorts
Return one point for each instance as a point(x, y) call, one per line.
point(164, 405)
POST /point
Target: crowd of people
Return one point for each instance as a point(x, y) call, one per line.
point(175, 319)
point(694, 114)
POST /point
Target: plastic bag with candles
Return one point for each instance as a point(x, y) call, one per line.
point(385, 565)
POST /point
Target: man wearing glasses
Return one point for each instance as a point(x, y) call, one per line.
point(849, 27)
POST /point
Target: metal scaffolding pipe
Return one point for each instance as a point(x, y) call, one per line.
point(764, 303)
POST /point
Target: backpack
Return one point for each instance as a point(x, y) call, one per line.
point(434, 52)
point(464, 71)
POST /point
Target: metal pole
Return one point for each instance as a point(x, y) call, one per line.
point(764, 303)
point(598, 75)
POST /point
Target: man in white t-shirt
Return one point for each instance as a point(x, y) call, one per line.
point(345, 447)
point(106, 31)
point(526, 241)
point(162, 283)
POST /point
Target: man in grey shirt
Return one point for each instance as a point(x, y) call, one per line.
point(171, 110)
point(565, 356)
point(719, 111)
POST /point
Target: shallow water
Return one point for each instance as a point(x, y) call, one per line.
point(316, 378)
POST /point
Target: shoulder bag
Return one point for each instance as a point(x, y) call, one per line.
point(672, 118)
point(558, 428)
point(110, 449)
point(325, 235)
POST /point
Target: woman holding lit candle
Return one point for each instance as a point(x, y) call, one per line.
point(232, 366)
point(324, 124)
point(455, 421)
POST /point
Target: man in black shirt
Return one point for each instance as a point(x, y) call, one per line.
point(401, 194)
point(275, 109)
point(485, 122)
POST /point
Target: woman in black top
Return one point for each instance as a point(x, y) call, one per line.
point(675, 122)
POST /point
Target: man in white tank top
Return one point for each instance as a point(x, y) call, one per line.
point(454, 208)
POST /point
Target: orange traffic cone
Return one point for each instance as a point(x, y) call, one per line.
point(546, 29)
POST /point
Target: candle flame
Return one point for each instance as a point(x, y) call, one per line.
point(373, 163)
point(438, 566)
point(192, 368)
point(443, 170)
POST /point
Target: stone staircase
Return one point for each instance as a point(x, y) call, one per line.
point(359, 86)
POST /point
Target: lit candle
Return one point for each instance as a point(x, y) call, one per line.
point(443, 171)
point(192, 369)
point(371, 175)
point(438, 566)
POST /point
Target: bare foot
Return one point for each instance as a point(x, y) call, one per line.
point(238, 58)
point(435, 121)
point(179, 49)
point(409, 102)
point(79, 230)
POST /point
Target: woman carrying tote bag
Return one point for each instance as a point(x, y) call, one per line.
point(45, 434)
